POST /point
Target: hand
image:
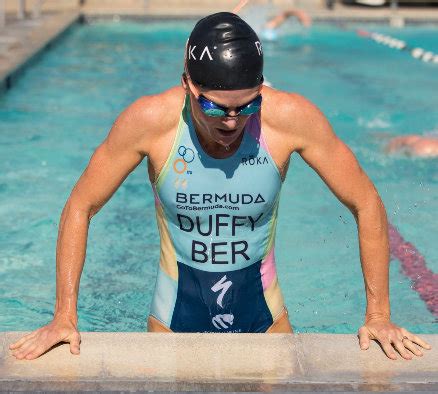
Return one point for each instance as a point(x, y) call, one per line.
point(386, 333)
point(60, 329)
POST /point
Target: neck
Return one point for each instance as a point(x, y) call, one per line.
point(213, 148)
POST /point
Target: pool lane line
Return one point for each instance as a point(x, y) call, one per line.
point(425, 281)
point(415, 52)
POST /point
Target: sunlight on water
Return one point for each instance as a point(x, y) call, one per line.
point(63, 106)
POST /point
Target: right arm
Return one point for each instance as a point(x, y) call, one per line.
point(110, 164)
point(127, 143)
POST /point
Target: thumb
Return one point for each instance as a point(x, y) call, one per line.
point(364, 340)
point(74, 343)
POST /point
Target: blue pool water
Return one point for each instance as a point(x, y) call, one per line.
point(64, 105)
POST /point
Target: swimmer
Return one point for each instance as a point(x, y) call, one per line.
point(218, 149)
point(414, 145)
point(270, 33)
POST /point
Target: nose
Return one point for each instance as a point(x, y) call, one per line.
point(230, 122)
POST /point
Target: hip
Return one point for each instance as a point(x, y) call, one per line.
point(280, 325)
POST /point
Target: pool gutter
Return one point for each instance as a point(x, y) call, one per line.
point(218, 362)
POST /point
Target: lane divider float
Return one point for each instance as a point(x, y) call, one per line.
point(415, 52)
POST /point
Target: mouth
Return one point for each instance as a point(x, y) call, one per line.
point(226, 132)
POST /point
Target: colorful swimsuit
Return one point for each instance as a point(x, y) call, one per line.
point(217, 221)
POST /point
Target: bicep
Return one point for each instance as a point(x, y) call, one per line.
point(337, 166)
point(103, 175)
point(113, 160)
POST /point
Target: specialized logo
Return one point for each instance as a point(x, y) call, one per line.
point(221, 285)
point(220, 321)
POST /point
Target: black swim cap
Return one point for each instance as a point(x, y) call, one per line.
point(224, 53)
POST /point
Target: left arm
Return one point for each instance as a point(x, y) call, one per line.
point(334, 162)
point(337, 166)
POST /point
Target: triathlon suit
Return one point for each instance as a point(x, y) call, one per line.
point(217, 221)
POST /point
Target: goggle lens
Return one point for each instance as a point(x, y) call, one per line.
point(212, 109)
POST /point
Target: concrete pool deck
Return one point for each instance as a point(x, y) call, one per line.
point(218, 362)
point(23, 40)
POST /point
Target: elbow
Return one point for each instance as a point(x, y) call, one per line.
point(370, 206)
point(78, 208)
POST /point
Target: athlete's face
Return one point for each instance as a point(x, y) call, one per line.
point(222, 130)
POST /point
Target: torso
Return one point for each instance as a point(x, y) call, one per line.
point(217, 220)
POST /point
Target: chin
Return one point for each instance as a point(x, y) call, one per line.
point(226, 141)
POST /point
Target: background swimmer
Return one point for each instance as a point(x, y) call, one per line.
point(269, 30)
point(414, 145)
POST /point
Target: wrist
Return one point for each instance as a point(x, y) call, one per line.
point(72, 317)
point(379, 315)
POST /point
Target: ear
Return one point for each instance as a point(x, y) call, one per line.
point(184, 83)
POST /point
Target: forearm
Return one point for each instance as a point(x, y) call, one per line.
point(374, 255)
point(70, 257)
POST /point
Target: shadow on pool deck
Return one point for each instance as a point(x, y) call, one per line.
point(218, 362)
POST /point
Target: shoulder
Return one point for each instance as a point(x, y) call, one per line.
point(147, 120)
point(294, 117)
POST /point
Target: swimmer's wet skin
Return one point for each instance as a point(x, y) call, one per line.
point(217, 211)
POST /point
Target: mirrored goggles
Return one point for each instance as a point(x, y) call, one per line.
point(210, 108)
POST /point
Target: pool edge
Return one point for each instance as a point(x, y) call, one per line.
point(26, 55)
point(218, 362)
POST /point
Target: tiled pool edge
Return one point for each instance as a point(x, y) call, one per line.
point(218, 362)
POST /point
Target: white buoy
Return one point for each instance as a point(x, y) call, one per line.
point(427, 57)
point(417, 52)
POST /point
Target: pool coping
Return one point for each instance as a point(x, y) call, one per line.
point(218, 362)
point(33, 43)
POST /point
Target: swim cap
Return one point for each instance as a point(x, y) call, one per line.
point(224, 53)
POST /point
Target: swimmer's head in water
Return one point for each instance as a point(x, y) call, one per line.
point(224, 53)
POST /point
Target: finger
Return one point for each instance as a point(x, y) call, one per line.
point(414, 338)
point(21, 353)
point(29, 351)
point(74, 344)
point(387, 348)
point(40, 347)
point(419, 341)
point(22, 340)
point(364, 339)
point(409, 345)
point(399, 345)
